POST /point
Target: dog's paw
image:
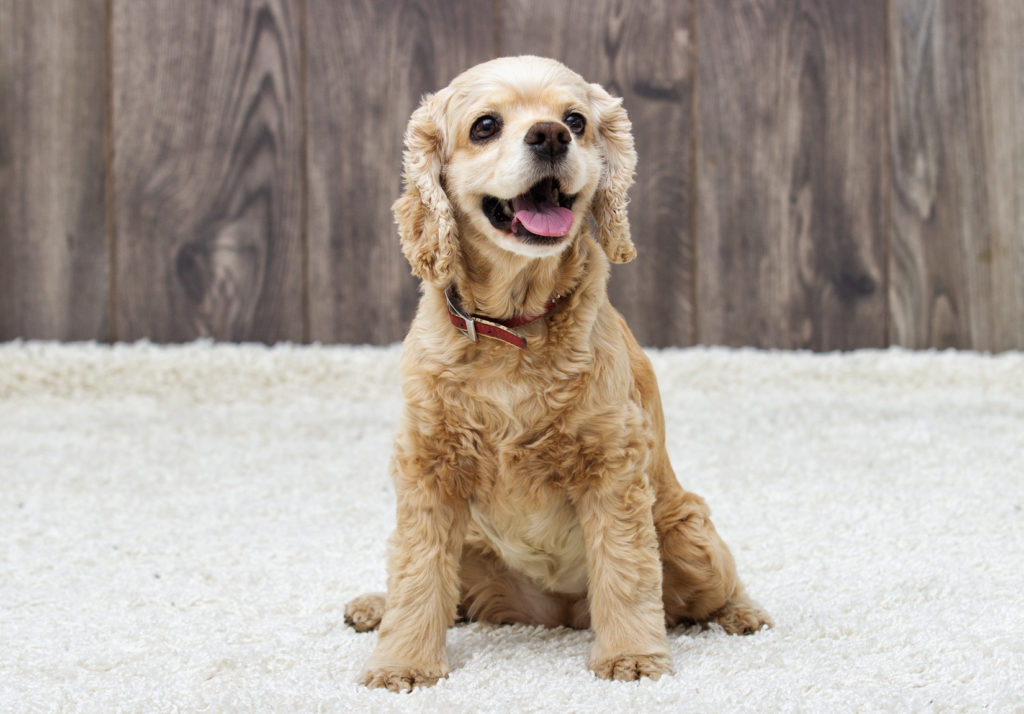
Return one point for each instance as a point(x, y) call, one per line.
point(741, 616)
point(365, 612)
point(401, 678)
point(626, 668)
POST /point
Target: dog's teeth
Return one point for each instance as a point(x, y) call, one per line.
point(506, 208)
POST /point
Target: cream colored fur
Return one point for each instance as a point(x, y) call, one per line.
point(533, 485)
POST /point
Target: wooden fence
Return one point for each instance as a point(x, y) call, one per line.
point(822, 174)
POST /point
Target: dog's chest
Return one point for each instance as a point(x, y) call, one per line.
point(506, 405)
point(538, 537)
point(522, 512)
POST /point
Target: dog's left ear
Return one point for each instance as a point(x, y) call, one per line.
point(614, 130)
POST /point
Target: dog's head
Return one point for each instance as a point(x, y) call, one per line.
point(520, 152)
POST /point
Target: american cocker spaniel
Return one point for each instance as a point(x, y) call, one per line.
point(530, 469)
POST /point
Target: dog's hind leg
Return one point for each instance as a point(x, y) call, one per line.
point(699, 581)
point(491, 591)
point(364, 613)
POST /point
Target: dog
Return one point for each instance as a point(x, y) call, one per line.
point(530, 468)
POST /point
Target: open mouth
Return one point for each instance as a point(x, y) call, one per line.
point(541, 215)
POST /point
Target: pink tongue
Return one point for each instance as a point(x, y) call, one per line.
point(542, 219)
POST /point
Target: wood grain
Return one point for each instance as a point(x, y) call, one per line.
point(815, 174)
point(791, 154)
point(53, 257)
point(1002, 106)
point(207, 168)
point(958, 167)
point(369, 64)
point(641, 52)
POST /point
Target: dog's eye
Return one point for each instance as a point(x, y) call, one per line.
point(484, 128)
point(576, 123)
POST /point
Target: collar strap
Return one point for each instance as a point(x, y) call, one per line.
point(473, 325)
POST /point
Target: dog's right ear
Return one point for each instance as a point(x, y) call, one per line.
point(426, 220)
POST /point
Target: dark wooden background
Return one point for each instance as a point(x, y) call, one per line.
point(820, 174)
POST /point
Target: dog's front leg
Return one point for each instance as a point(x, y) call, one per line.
point(423, 587)
point(626, 611)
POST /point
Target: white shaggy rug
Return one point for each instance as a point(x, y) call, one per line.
point(180, 528)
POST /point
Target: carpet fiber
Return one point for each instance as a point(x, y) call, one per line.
point(180, 528)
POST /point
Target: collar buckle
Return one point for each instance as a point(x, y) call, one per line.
point(470, 324)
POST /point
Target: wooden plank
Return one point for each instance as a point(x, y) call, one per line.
point(791, 157)
point(958, 168)
point(208, 170)
point(1003, 98)
point(641, 52)
point(53, 256)
point(369, 64)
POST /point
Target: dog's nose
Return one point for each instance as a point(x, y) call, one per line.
point(548, 139)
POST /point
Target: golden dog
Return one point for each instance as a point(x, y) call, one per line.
point(530, 468)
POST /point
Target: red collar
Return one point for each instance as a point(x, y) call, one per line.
point(473, 325)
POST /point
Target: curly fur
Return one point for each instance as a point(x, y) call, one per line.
point(533, 485)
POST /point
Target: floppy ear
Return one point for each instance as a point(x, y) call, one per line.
point(609, 207)
point(426, 221)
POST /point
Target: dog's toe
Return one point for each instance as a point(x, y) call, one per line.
point(401, 679)
point(741, 616)
point(365, 612)
point(627, 668)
